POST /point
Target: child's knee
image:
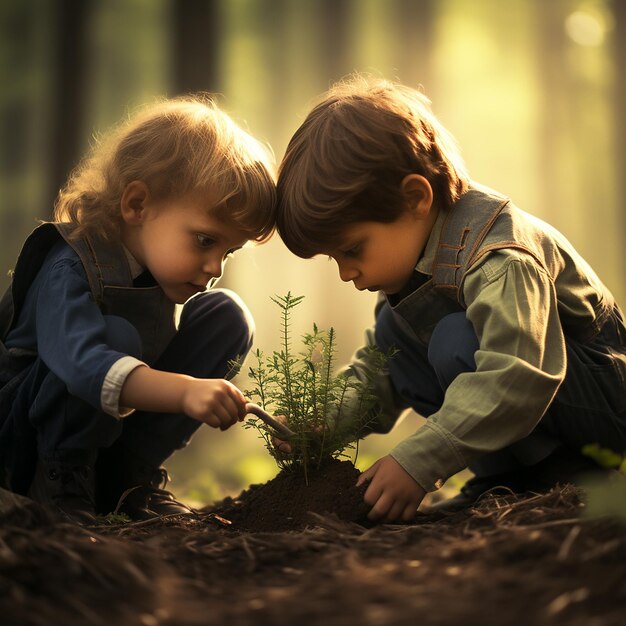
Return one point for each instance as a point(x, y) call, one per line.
point(226, 313)
point(452, 346)
point(122, 336)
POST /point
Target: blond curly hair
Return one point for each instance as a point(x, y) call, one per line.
point(175, 146)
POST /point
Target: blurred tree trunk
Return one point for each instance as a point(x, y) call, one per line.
point(619, 39)
point(579, 155)
point(333, 37)
point(552, 85)
point(414, 32)
point(67, 111)
point(196, 38)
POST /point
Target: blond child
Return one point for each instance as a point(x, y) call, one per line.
point(507, 340)
point(99, 386)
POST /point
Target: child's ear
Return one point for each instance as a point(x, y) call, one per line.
point(418, 194)
point(133, 203)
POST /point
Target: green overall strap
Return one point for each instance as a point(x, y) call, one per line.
point(465, 228)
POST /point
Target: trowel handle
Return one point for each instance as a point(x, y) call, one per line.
point(282, 431)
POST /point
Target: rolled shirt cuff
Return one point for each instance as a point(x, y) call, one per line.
point(113, 383)
point(429, 456)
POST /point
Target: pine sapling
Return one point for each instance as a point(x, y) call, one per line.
point(317, 403)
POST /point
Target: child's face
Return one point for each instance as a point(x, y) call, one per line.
point(181, 242)
point(382, 256)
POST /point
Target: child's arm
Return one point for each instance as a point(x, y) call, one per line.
point(214, 401)
point(72, 342)
point(520, 363)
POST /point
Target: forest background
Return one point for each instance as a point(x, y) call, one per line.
point(533, 90)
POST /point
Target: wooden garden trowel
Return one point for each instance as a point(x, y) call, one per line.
point(281, 430)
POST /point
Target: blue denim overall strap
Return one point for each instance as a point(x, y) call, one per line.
point(14, 361)
point(32, 255)
point(111, 283)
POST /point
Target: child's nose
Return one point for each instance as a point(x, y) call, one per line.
point(347, 273)
point(213, 267)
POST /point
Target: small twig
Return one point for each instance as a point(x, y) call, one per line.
point(601, 550)
point(560, 603)
point(566, 546)
point(141, 523)
point(525, 527)
point(504, 514)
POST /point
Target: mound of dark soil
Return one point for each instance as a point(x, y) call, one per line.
point(287, 501)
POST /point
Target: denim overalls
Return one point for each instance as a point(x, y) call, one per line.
point(38, 417)
point(428, 318)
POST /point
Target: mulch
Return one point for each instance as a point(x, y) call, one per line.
point(528, 559)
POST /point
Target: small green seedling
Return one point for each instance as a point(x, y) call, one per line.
point(325, 411)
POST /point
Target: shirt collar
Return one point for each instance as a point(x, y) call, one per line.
point(426, 261)
point(135, 268)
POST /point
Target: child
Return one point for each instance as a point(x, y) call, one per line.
point(506, 338)
point(99, 387)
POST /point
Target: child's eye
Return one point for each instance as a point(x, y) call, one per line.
point(353, 251)
point(204, 241)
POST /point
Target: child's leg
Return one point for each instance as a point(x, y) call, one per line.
point(590, 406)
point(421, 376)
point(411, 373)
point(68, 433)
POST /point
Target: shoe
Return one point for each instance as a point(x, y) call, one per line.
point(144, 496)
point(561, 467)
point(147, 499)
point(65, 488)
point(471, 492)
point(126, 484)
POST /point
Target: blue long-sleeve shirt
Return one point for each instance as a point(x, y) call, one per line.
point(61, 322)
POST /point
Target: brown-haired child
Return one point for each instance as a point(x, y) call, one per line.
point(507, 340)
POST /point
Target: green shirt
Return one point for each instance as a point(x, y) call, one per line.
point(513, 306)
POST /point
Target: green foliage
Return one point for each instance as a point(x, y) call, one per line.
point(113, 519)
point(606, 497)
point(604, 457)
point(326, 411)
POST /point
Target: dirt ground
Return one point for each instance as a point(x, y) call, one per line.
point(527, 559)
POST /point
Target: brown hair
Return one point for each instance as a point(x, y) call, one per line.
point(346, 162)
point(175, 146)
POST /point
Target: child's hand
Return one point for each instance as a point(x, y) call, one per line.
point(392, 493)
point(214, 401)
point(284, 447)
